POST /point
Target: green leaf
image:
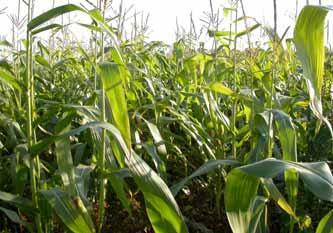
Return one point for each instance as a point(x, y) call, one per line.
point(248, 30)
point(207, 167)
point(46, 28)
point(71, 212)
point(161, 148)
point(158, 162)
point(162, 209)
point(287, 137)
point(64, 156)
point(9, 79)
point(317, 176)
point(212, 33)
point(222, 89)
point(20, 202)
point(239, 198)
point(12, 215)
point(53, 13)
point(309, 42)
point(326, 224)
point(287, 134)
point(277, 196)
point(113, 81)
point(90, 27)
point(156, 193)
point(242, 184)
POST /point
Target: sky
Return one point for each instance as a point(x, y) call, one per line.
point(163, 14)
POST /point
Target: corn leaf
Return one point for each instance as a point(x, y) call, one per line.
point(13, 216)
point(64, 156)
point(112, 80)
point(317, 176)
point(53, 13)
point(309, 42)
point(239, 198)
point(326, 224)
point(20, 202)
point(162, 209)
point(207, 167)
point(70, 211)
point(9, 79)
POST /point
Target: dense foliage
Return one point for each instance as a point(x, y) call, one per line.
point(131, 136)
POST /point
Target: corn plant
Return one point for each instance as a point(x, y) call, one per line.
point(129, 135)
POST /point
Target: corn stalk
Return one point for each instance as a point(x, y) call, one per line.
point(34, 161)
point(101, 159)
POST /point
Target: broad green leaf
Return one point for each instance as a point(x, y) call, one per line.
point(71, 211)
point(53, 13)
point(207, 167)
point(287, 137)
point(64, 156)
point(317, 176)
point(239, 198)
point(242, 184)
point(42, 61)
point(162, 209)
point(287, 134)
point(156, 193)
point(326, 224)
point(309, 42)
point(9, 79)
point(20, 202)
point(112, 80)
point(161, 206)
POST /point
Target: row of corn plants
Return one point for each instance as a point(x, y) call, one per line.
point(130, 121)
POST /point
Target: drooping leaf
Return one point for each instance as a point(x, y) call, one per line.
point(162, 209)
point(20, 202)
point(46, 28)
point(156, 193)
point(53, 13)
point(317, 176)
point(278, 197)
point(309, 42)
point(207, 167)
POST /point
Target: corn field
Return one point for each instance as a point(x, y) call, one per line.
point(126, 135)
